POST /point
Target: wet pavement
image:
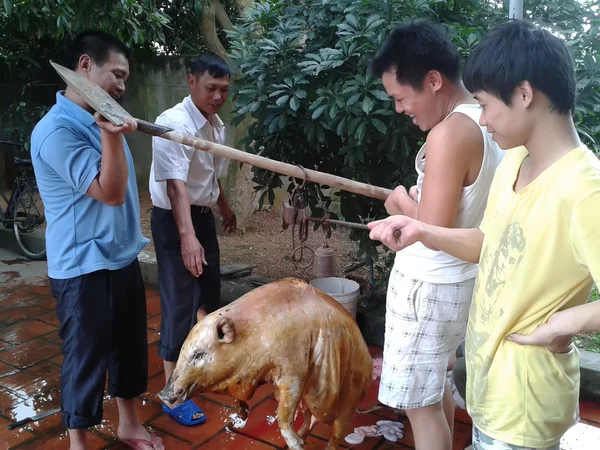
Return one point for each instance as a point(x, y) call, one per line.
point(30, 360)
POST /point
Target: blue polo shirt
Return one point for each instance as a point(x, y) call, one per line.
point(83, 235)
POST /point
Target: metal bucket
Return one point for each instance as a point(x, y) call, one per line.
point(345, 292)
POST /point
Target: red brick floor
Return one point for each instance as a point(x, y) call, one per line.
point(30, 360)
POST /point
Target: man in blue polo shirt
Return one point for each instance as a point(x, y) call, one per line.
point(86, 179)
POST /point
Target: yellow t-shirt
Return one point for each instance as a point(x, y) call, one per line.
point(540, 254)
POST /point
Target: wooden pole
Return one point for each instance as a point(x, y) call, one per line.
point(273, 165)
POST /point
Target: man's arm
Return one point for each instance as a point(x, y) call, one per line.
point(400, 202)
point(110, 185)
point(171, 164)
point(557, 333)
point(463, 243)
point(191, 250)
point(101, 176)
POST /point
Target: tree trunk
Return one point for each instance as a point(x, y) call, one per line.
point(221, 15)
point(208, 30)
point(240, 187)
point(243, 4)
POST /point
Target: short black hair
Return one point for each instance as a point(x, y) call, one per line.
point(97, 45)
point(517, 51)
point(209, 62)
point(415, 48)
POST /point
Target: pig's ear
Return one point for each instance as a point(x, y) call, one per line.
point(201, 314)
point(226, 330)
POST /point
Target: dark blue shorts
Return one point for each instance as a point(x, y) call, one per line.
point(181, 293)
point(103, 327)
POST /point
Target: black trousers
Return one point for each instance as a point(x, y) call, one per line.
point(181, 293)
point(102, 326)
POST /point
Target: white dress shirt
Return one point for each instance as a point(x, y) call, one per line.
point(200, 170)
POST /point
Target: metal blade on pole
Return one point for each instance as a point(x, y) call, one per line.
point(99, 100)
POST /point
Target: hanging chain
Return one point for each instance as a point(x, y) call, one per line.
point(299, 202)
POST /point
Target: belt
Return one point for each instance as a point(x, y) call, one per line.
point(200, 209)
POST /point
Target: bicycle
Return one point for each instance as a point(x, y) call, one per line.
point(25, 211)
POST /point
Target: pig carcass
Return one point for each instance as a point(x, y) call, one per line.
point(291, 335)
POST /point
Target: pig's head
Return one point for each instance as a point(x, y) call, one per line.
point(206, 359)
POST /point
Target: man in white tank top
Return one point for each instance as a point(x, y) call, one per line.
point(429, 292)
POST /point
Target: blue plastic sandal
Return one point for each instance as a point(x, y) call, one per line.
point(184, 413)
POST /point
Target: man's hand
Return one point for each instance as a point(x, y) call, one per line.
point(229, 223)
point(551, 335)
point(413, 193)
point(383, 230)
point(109, 128)
point(393, 202)
point(193, 255)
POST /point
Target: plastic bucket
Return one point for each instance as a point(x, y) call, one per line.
point(344, 291)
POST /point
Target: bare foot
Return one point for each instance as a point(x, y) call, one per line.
point(139, 432)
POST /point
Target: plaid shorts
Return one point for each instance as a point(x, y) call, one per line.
point(424, 325)
point(484, 442)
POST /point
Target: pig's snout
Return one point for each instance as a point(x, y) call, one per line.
point(171, 395)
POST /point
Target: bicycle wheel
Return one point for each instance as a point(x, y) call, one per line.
point(30, 223)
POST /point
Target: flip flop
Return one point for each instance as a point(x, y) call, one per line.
point(142, 444)
point(184, 413)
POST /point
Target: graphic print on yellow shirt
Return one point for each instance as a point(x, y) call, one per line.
point(539, 248)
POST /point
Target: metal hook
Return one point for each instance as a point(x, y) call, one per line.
point(300, 186)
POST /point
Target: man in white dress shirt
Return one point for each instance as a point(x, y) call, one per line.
point(184, 185)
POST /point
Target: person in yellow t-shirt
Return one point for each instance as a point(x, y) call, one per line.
point(538, 247)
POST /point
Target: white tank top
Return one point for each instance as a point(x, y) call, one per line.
point(421, 263)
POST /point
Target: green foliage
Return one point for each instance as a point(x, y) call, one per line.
point(32, 32)
point(303, 76)
point(38, 24)
point(36, 31)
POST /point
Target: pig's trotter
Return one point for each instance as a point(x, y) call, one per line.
point(338, 430)
point(286, 410)
point(305, 428)
point(241, 408)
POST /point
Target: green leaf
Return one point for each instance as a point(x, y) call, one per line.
point(379, 125)
point(320, 134)
point(294, 103)
point(381, 95)
point(367, 105)
point(351, 19)
point(273, 127)
point(341, 126)
point(384, 112)
point(261, 200)
point(310, 131)
point(300, 93)
point(316, 103)
point(354, 124)
point(8, 6)
point(333, 111)
point(317, 113)
point(360, 132)
point(273, 94)
point(271, 196)
point(352, 100)
point(282, 100)
point(198, 7)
